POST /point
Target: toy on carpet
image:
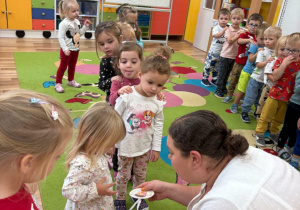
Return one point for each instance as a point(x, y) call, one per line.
point(79, 100)
point(48, 84)
point(88, 93)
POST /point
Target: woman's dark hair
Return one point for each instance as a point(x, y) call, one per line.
point(205, 132)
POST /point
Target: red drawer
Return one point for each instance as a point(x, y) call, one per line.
point(45, 25)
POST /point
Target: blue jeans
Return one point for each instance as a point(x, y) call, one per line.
point(297, 145)
point(210, 65)
point(253, 93)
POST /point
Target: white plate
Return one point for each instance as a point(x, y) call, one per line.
point(132, 193)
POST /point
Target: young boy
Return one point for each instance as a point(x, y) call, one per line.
point(249, 67)
point(229, 51)
point(284, 73)
point(244, 41)
point(215, 47)
point(256, 82)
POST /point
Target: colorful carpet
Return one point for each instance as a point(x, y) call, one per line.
point(184, 93)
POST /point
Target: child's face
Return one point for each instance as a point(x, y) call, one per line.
point(129, 64)
point(252, 26)
point(281, 52)
point(260, 40)
point(108, 43)
point(73, 12)
point(293, 51)
point(152, 83)
point(236, 20)
point(270, 41)
point(223, 20)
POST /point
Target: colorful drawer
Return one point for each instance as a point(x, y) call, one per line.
point(45, 4)
point(45, 14)
point(45, 25)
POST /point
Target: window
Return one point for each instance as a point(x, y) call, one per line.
point(210, 4)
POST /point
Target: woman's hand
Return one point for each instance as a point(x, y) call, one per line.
point(125, 89)
point(160, 189)
point(119, 78)
point(154, 156)
point(103, 189)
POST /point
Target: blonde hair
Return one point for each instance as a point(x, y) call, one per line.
point(28, 128)
point(100, 128)
point(273, 30)
point(65, 6)
point(157, 62)
point(164, 51)
point(126, 31)
point(238, 11)
point(281, 41)
point(261, 29)
point(293, 39)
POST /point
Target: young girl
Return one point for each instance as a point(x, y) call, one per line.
point(142, 113)
point(128, 14)
point(108, 38)
point(68, 36)
point(35, 130)
point(127, 32)
point(88, 183)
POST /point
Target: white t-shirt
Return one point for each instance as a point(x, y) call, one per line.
point(269, 70)
point(258, 180)
point(263, 55)
point(144, 119)
point(217, 43)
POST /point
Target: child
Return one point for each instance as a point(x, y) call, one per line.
point(215, 48)
point(68, 36)
point(245, 40)
point(128, 14)
point(284, 73)
point(229, 52)
point(35, 130)
point(249, 67)
point(280, 52)
point(256, 82)
point(289, 129)
point(108, 37)
point(88, 183)
point(127, 32)
point(143, 117)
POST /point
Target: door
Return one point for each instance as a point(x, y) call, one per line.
point(204, 24)
point(3, 22)
point(18, 14)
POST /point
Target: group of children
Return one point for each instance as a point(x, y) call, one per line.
point(263, 65)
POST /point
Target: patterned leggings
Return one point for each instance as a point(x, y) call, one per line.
point(124, 173)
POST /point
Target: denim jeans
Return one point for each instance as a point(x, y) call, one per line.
point(211, 65)
point(224, 68)
point(253, 93)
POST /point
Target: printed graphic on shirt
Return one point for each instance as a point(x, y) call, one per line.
point(245, 54)
point(74, 34)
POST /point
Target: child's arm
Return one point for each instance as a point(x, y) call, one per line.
point(106, 76)
point(278, 72)
point(115, 87)
point(242, 40)
point(61, 38)
point(220, 34)
point(232, 39)
point(121, 104)
point(157, 125)
point(252, 56)
point(264, 63)
point(85, 26)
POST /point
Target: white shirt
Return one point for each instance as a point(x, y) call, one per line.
point(80, 184)
point(217, 43)
point(258, 180)
point(269, 70)
point(69, 28)
point(263, 55)
point(143, 118)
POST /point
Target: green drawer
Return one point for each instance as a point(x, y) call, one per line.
point(45, 4)
point(108, 16)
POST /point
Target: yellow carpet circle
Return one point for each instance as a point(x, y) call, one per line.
point(190, 99)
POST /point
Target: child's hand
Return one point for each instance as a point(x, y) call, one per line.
point(253, 42)
point(67, 52)
point(161, 96)
point(111, 151)
point(225, 28)
point(87, 22)
point(125, 89)
point(288, 60)
point(154, 156)
point(241, 31)
point(103, 189)
point(261, 49)
point(117, 78)
point(270, 59)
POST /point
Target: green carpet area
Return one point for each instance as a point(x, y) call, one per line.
point(34, 71)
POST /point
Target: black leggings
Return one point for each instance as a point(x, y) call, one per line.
point(115, 162)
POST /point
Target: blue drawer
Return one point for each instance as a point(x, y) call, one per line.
point(46, 14)
point(143, 23)
point(144, 17)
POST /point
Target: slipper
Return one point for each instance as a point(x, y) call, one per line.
point(284, 154)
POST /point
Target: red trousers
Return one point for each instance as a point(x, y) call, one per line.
point(67, 62)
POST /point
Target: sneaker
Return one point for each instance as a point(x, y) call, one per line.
point(284, 154)
point(225, 91)
point(218, 93)
point(214, 82)
point(295, 164)
point(205, 82)
point(260, 140)
point(143, 204)
point(269, 142)
point(242, 100)
point(274, 137)
point(245, 117)
point(59, 88)
point(120, 204)
point(227, 99)
point(234, 108)
point(74, 84)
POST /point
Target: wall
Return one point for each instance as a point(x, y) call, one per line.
point(191, 21)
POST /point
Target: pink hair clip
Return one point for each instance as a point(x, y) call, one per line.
point(54, 113)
